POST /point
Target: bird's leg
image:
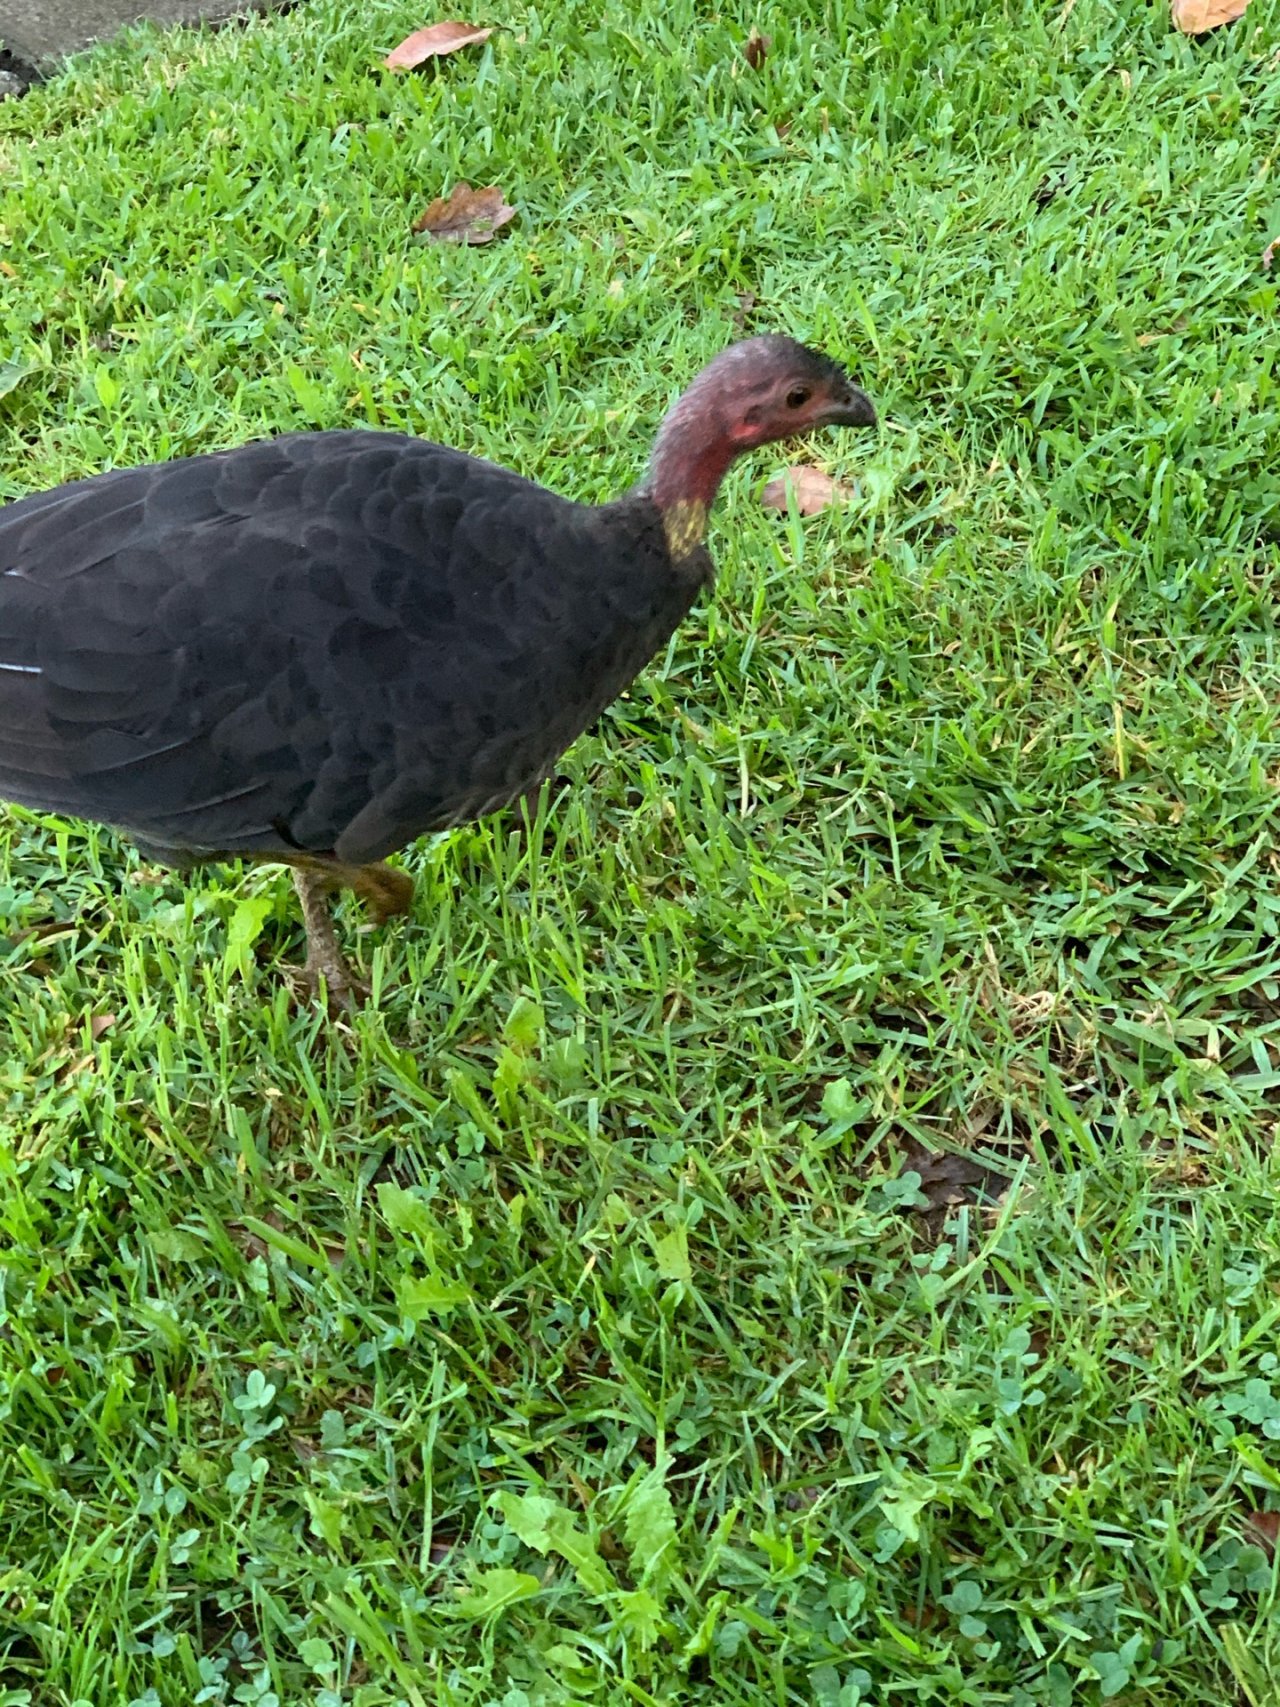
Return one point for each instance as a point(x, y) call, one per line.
point(324, 957)
point(384, 890)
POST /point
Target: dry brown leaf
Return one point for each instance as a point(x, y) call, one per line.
point(1268, 254)
point(813, 490)
point(946, 1177)
point(1196, 17)
point(465, 216)
point(1263, 1529)
point(433, 43)
point(46, 932)
point(252, 1243)
point(99, 1024)
point(746, 302)
point(757, 49)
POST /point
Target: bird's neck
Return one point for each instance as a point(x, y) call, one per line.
point(689, 461)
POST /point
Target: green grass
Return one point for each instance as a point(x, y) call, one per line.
point(564, 1328)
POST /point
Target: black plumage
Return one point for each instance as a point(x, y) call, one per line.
point(315, 648)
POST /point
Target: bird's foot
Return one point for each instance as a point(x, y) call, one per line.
point(343, 992)
point(385, 891)
point(325, 966)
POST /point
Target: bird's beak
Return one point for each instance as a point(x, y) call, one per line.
point(853, 409)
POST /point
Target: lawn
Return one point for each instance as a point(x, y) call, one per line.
point(586, 1319)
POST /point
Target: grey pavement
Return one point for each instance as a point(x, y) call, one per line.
point(42, 32)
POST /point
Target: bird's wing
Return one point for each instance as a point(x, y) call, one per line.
point(143, 608)
point(240, 652)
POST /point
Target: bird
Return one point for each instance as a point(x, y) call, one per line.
point(314, 648)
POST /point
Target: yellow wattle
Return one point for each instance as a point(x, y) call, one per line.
point(684, 524)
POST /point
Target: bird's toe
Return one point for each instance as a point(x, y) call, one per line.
point(333, 982)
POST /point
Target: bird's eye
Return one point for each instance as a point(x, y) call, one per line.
point(798, 396)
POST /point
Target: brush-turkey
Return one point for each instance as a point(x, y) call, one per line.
point(315, 648)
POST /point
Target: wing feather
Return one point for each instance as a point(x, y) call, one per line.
point(326, 641)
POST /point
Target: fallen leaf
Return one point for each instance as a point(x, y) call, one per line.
point(746, 302)
point(150, 876)
point(947, 1177)
point(1263, 1529)
point(249, 1241)
point(1197, 17)
point(813, 490)
point(46, 932)
point(757, 49)
point(1268, 254)
point(466, 216)
point(433, 43)
point(980, 1120)
point(99, 1024)
point(800, 1499)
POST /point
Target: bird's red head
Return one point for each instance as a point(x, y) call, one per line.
point(754, 392)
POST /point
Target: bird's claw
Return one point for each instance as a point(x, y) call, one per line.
point(343, 992)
